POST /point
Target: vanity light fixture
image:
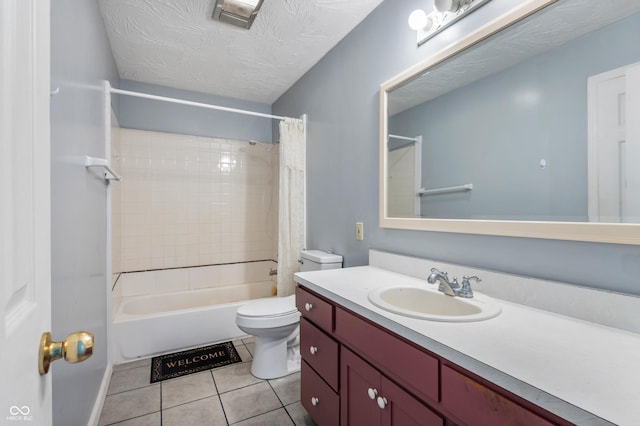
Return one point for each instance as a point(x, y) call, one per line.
point(241, 13)
point(444, 13)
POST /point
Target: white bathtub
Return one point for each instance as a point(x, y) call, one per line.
point(149, 325)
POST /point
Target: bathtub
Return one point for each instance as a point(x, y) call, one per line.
point(149, 325)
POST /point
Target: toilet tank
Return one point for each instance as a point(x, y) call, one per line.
point(316, 260)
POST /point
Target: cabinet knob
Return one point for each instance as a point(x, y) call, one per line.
point(314, 401)
point(313, 350)
point(308, 306)
point(382, 402)
point(372, 393)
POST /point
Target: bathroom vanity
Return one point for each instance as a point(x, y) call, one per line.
point(364, 365)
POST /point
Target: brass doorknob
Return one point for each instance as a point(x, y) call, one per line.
point(76, 347)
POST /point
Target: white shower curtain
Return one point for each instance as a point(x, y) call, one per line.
point(291, 203)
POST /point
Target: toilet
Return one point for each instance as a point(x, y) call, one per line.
point(275, 323)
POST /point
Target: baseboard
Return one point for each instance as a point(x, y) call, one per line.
point(102, 395)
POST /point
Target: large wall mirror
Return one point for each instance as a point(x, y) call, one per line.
point(528, 127)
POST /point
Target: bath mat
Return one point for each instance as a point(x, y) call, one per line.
point(178, 364)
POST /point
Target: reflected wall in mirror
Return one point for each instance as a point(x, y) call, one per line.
point(533, 126)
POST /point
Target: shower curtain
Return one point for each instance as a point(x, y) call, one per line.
point(291, 203)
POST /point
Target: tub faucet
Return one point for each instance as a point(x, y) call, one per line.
point(452, 288)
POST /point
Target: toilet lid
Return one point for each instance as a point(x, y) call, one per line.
point(269, 307)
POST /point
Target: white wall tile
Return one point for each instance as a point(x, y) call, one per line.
point(137, 283)
point(204, 276)
point(189, 201)
point(169, 280)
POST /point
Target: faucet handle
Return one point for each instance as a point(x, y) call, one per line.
point(465, 289)
point(436, 271)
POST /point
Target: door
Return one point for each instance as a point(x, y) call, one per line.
point(614, 143)
point(359, 389)
point(404, 179)
point(25, 270)
point(402, 409)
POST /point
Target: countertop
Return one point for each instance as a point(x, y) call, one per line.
point(584, 372)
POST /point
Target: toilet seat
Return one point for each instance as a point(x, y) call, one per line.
point(269, 307)
point(268, 312)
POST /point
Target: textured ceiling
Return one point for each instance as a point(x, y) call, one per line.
point(549, 28)
point(176, 43)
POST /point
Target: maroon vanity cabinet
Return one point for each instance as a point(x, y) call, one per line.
point(355, 373)
point(369, 398)
point(319, 377)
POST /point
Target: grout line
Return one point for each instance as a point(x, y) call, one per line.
point(215, 385)
point(261, 414)
point(289, 414)
point(116, 281)
point(136, 417)
point(160, 403)
point(197, 266)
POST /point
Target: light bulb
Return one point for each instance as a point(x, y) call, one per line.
point(418, 19)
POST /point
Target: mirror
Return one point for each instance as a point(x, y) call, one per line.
point(520, 128)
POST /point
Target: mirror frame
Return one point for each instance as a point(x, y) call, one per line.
point(616, 233)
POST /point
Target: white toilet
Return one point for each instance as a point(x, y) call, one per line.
point(274, 322)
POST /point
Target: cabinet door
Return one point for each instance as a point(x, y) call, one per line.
point(473, 403)
point(358, 379)
point(403, 409)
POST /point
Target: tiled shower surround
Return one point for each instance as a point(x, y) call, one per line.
point(188, 201)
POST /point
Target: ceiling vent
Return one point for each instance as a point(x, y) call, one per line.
point(237, 12)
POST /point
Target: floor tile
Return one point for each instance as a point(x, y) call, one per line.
point(187, 388)
point(129, 379)
point(207, 411)
point(287, 388)
point(251, 346)
point(130, 404)
point(249, 401)
point(244, 353)
point(234, 376)
point(299, 415)
point(278, 417)
point(146, 362)
point(153, 419)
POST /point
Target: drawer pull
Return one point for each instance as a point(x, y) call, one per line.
point(308, 306)
point(313, 350)
point(314, 400)
point(372, 393)
point(382, 402)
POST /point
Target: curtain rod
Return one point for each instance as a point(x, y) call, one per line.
point(196, 104)
point(404, 138)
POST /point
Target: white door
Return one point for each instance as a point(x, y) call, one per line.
point(25, 277)
point(614, 143)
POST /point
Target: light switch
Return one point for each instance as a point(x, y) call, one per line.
point(359, 231)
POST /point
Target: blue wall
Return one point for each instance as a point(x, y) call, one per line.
point(340, 96)
point(80, 60)
point(145, 114)
point(487, 134)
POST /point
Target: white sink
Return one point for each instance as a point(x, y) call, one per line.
point(430, 304)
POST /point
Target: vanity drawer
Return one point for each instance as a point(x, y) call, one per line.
point(414, 369)
point(325, 409)
point(320, 352)
point(473, 403)
point(315, 309)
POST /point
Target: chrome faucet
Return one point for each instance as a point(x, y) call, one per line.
point(452, 288)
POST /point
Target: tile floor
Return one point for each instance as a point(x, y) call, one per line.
point(227, 395)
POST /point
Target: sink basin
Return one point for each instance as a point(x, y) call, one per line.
point(429, 304)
